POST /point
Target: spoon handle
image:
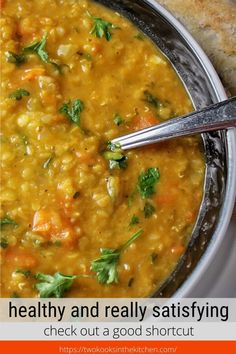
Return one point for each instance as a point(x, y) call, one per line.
point(215, 117)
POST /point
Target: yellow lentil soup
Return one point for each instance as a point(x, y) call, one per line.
point(79, 218)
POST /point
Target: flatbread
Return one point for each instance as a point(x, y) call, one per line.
point(213, 24)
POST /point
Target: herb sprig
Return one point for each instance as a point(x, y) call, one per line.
point(102, 28)
point(151, 99)
point(7, 221)
point(14, 58)
point(19, 94)
point(134, 220)
point(118, 119)
point(55, 285)
point(105, 266)
point(3, 243)
point(37, 47)
point(147, 182)
point(26, 273)
point(148, 210)
point(72, 110)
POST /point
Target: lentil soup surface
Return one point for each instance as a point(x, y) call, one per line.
point(75, 75)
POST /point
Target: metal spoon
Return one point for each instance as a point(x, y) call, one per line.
point(215, 117)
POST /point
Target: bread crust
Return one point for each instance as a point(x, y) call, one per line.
point(213, 24)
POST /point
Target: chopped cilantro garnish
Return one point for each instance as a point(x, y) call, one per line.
point(55, 285)
point(3, 243)
point(134, 220)
point(147, 182)
point(117, 119)
point(16, 59)
point(7, 221)
point(15, 295)
point(19, 94)
point(151, 99)
point(72, 110)
point(105, 267)
point(102, 28)
point(148, 210)
point(26, 273)
point(39, 48)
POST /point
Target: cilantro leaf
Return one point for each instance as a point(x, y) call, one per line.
point(53, 285)
point(105, 266)
point(134, 220)
point(14, 295)
point(117, 119)
point(14, 58)
point(147, 182)
point(7, 221)
point(3, 243)
point(26, 273)
point(102, 28)
point(152, 100)
point(19, 94)
point(72, 110)
point(148, 210)
point(39, 48)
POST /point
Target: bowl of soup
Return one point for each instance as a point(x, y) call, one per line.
point(79, 218)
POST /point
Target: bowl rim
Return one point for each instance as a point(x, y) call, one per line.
point(219, 236)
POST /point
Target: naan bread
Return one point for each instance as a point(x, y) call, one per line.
point(213, 24)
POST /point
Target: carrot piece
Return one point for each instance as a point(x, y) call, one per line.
point(31, 74)
point(144, 121)
point(97, 47)
point(2, 3)
point(45, 221)
point(20, 258)
point(167, 197)
point(51, 225)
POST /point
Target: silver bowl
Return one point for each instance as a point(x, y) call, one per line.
point(205, 88)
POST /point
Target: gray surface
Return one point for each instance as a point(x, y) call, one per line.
point(219, 280)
